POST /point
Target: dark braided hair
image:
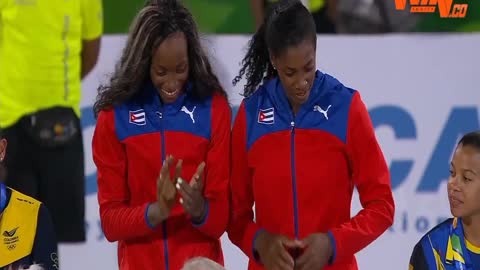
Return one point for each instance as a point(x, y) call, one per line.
point(287, 24)
point(155, 22)
point(471, 139)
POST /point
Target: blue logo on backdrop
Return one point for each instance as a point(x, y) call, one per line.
point(88, 121)
point(459, 121)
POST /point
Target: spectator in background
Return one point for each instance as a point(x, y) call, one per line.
point(28, 237)
point(455, 243)
point(163, 100)
point(323, 12)
point(201, 263)
point(46, 49)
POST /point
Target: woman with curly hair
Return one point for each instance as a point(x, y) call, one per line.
point(161, 145)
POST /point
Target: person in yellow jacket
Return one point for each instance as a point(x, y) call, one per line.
point(46, 49)
point(323, 11)
point(26, 230)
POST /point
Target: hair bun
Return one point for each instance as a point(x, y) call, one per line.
point(279, 7)
point(167, 4)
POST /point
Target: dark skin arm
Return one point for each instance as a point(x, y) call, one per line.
point(332, 10)
point(90, 52)
point(258, 12)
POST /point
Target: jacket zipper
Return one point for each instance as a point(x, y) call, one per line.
point(294, 181)
point(164, 223)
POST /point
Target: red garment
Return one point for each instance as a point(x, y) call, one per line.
point(129, 144)
point(301, 171)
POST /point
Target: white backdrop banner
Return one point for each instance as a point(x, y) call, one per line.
point(422, 92)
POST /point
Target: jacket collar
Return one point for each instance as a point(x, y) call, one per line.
point(153, 103)
point(457, 253)
point(276, 91)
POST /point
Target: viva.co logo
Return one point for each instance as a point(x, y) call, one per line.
point(446, 8)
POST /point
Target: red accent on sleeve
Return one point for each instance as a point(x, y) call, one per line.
point(217, 170)
point(372, 180)
point(119, 220)
point(242, 230)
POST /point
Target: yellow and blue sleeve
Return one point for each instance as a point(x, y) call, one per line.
point(417, 259)
point(45, 246)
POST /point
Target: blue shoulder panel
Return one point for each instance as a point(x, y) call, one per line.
point(193, 117)
point(326, 109)
point(132, 119)
point(145, 113)
point(436, 240)
point(262, 116)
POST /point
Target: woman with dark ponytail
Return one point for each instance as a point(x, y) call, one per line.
point(301, 142)
point(162, 144)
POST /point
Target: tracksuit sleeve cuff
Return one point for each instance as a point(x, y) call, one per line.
point(334, 248)
point(146, 217)
point(255, 254)
point(204, 218)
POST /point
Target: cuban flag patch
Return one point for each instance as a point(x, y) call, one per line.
point(266, 116)
point(137, 117)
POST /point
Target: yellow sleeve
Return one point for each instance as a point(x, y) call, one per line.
point(2, 5)
point(92, 19)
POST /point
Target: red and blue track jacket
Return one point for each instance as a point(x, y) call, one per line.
point(129, 144)
point(300, 171)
